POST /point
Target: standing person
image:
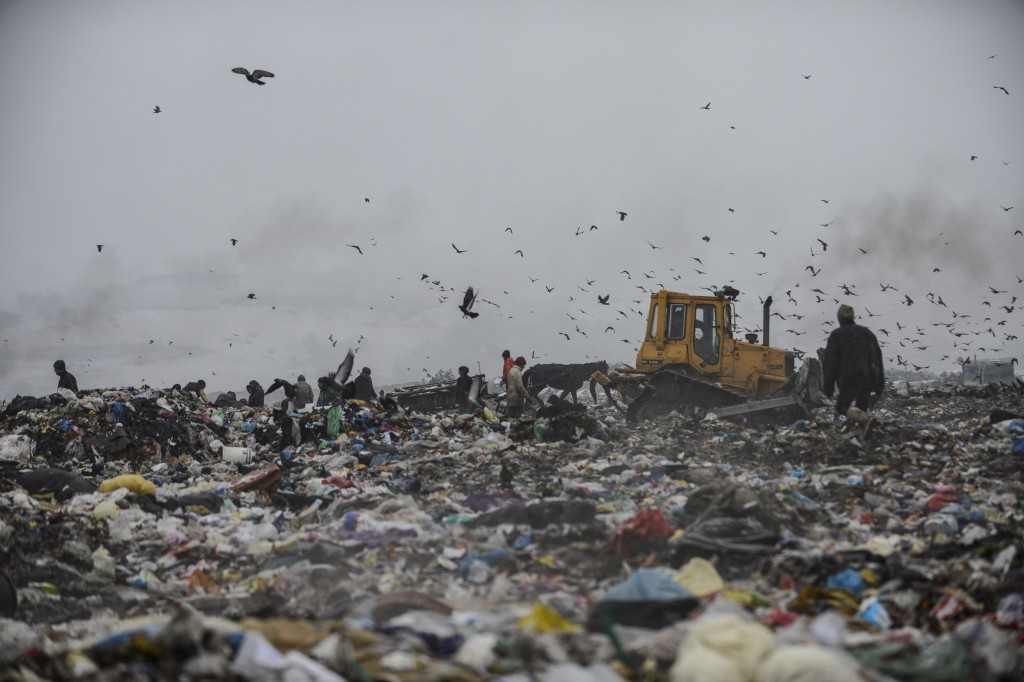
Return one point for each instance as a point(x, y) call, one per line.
point(303, 393)
point(67, 379)
point(364, 386)
point(853, 362)
point(329, 397)
point(516, 395)
point(255, 393)
point(506, 366)
point(462, 386)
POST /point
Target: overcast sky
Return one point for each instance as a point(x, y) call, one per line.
point(461, 119)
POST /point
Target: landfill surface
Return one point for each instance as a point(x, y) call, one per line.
point(150, 535)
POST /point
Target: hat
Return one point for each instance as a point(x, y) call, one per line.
point(59, 364)
point(302, 377)
point(845, 313)
point(506, 354)
point(366, 370)
point(464, 370)
point(521, 361)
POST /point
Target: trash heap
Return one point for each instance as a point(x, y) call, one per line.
point(148, 535)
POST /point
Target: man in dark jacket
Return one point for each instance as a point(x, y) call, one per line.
point(303, 393)
point(197, 388)
point(462, 386)
point(364, 386)
point(67, 379)
point(853, 362)
point(255, 393)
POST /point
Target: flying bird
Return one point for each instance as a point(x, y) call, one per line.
point(233, 242)
point(340, 376)
point(565, 335)
point(99, 247)
point(622, 215)
point(706, 238)
point(1000, 87)
point(592, 228)
point(353, 246)
point(603, 300)
point(509, 230)
point(251, 297)
point(707, 106)
point(827, 224)
point(457, 250)
point(253, 77)
point(467, 304)
point(156, 109)
point(1006, 208)
point(814, 273)
point(366, 200)
point(550, 289)
point(520, 252)
point(806, 78)
point(762, 254)
point(824, 246)
point(653, 246)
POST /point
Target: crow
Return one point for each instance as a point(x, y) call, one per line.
point(253, 77)
point(550, 289)
point(156, 109)
point(706, 107)
point(653, 246)
point(353, 246)
point(339, 377)
point(1000, 87)
point(520, 252)
point(467, 304)
point(806, 78)
point(565, 335)
point(706, 238)
point(762, 254)
point(366, 200)
point(593, 227)
point(99, 247)
point(1005, 208)
point(457, 250)
point(251, 297)
point(423, 277)
point(824, 246)
point(622, 215)
point(814, 273)
point(603, 300)
point(607, 328)
point(233, 242)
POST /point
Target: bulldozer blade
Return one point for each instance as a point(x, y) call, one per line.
point(773, 410)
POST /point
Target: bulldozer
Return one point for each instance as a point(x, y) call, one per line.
point(689, 359)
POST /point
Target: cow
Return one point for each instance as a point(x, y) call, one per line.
point(566, 378)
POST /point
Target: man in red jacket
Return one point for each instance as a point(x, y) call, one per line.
point(508, 365)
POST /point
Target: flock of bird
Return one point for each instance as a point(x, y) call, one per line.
point(627, 301)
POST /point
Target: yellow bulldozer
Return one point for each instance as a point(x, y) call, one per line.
point(690, 359)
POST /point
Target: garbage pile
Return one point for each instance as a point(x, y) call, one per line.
point(150, 535)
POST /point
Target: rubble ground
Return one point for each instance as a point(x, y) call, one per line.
point(147, 534)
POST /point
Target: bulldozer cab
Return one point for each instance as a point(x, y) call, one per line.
point(686, 330)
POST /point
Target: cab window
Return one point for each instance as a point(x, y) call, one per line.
point(676, 323)
point(653, 331)
point(706, 340)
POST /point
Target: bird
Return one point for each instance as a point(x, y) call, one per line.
point(1000, 87)
point(806, 78)
point(653, 246)
point(907, 300)
point(622, 215)
point(706, 238)
point(1006, 208)
point(592, 228)
point(467, 304)
point(578, 231)
point(353, 246)
point(550, 289)
point(520, 252)
point(565, 335)
point(533, 279)
point(862, 250)
point(233, 242)
point(762, 254)
point(1016, 232)
point(814, 273)
point(366, 200)
point(606, 329)
point(509, 230)
point(99, 247)
point(251, 297)
point(603, 300)
point(625, 272)
point(156, 109)
point(457, 250)
point(253, 77)
point(973, 157)
point(995, 291)
point(423, 277)
point(706, 107)
point(827, 224)
point(824, 246)
point(340, 376)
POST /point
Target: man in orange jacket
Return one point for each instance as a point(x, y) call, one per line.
point(508, 365)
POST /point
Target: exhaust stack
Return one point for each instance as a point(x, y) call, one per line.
point(767, 319)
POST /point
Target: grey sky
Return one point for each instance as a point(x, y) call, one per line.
point(459, 119)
